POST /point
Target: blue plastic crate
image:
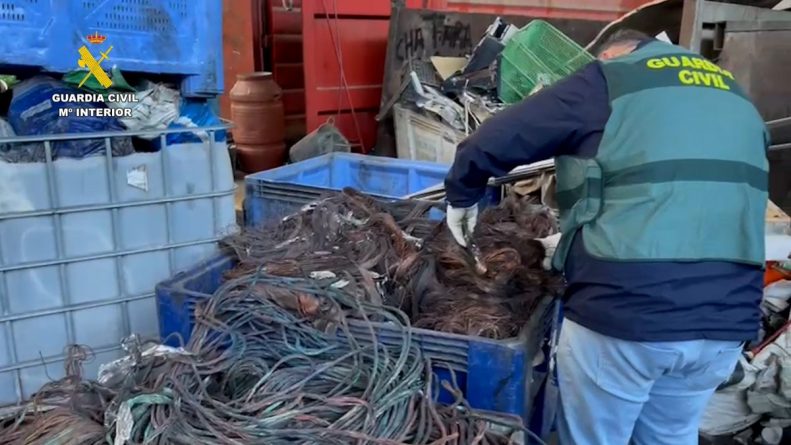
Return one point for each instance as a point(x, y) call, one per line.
point(181, 37)
point(274, 194)
point(495, 375)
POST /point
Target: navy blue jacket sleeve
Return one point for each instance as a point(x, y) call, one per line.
point(555, 121)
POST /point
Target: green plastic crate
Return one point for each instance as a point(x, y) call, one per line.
point(537, 55)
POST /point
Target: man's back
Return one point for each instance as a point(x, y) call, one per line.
point(675, 251)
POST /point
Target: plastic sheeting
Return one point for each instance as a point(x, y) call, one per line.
point(728, 411)
point(771, 392)
point(156, 109)
point(765, 389)
point(34, 112)
point(193, 114)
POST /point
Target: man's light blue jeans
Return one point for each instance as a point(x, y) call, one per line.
point(617, 392)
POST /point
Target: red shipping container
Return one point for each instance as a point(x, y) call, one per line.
point(339, 47)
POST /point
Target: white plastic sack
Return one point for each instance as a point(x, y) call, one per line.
point(110, 374)
point(728, 411)
point(778, 247)
point(771, 392)
point(156, 109)
point(777, 295)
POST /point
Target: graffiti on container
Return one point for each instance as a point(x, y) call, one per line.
point(410, 43)
point(454, 36)
point(445, 37)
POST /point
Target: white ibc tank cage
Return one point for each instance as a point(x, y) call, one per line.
point(84, 242)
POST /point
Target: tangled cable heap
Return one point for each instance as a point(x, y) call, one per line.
point(68, 411)
point(371, 243)
point(392, 251)
point(255, 372)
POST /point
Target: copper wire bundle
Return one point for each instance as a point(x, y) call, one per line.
point(68, 411)
point(375, 245)
point(498, 303)
point(392, 254)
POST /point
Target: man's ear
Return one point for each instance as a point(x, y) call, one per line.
point(607, 54)
point(617, 51)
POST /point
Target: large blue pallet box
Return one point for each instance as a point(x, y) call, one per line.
point(273, 194)
point(176, 37)
point(84, 242)
point(494, 375)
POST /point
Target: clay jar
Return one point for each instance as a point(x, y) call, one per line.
point(259, 122)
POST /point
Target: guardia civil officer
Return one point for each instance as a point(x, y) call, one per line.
point(662, 189)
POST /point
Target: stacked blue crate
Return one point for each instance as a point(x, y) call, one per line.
point(176, 37)
point(273, 194)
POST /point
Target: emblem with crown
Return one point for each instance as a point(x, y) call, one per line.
point(96, 38)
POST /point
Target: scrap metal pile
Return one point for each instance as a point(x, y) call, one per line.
point(256, 372)
point(389, 253)
point(271, 359)
point(507, 65)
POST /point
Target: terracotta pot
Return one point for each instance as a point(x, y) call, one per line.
point(259, 158)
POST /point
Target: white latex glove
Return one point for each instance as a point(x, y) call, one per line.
point(460, 220)
point(550, 243)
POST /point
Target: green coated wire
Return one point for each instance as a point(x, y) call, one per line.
point(261, 374)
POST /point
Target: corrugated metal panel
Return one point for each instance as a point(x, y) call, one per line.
point(285, 43)
point(239, 42)
point(599, 10)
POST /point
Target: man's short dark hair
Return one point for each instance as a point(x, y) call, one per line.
point(621, 37)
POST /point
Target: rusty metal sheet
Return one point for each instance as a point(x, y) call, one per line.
point(759, 54)
point(651, 18)
point(779, 179)
point(596, 10)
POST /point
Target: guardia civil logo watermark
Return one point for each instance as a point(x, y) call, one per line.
point(93, 69)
